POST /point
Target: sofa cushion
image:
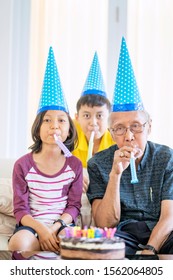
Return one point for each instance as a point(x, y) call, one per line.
point(7, 225)
point(6, 196)
point(3, 244)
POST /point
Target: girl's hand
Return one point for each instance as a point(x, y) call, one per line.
point(48, 240)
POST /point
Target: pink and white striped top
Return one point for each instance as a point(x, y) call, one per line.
point(43, 196)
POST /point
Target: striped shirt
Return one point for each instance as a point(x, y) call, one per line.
point(43, 196)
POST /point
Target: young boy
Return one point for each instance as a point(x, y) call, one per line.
point(93, 108)
point(92, 115)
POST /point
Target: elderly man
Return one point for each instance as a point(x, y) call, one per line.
point(141, 211)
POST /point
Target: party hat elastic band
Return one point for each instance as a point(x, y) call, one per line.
point(52, 96)
point(94, 83)
point(126, 94)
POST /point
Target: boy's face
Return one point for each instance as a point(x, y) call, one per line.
point(93, 119)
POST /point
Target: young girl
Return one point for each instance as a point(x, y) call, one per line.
point(47, 185)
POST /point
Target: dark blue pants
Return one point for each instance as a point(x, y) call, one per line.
point(139, 233)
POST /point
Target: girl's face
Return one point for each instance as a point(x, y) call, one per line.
point(54, 122)
point(93, 119)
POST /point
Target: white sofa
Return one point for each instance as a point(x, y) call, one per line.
point(7, 220)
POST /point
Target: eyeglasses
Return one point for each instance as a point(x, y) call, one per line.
point(134, 128)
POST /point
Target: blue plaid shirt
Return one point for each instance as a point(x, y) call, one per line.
point(141, 201)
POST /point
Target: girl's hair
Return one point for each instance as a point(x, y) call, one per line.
point(92, 100)
point(71, 141)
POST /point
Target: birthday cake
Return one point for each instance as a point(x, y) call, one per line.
point(91, 244)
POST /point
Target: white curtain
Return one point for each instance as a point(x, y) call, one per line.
point(75, 29)
point(14, 61)
point(150, 42)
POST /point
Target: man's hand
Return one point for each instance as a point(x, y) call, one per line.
point(122, 158)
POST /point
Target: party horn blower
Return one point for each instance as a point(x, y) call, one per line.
point(91, 144)
point(62, 146)
point(134, 179)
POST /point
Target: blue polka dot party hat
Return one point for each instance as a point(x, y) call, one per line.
point(52, 96)
point(126, 95)
point(94, 83)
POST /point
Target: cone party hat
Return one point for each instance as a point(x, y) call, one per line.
point(126, 95)
point(94, 83)
point(52, 96)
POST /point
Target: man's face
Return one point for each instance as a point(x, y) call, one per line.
point(126, 123)
point(93, 119)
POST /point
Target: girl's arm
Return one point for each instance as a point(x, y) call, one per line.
point(75, 191)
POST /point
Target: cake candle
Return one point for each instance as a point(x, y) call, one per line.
point(84, 232)
point(108, 232)
point(98, 233)
point(90, 233)
point(104, 234)
point(78, 232)
point(67, 232)
point(112, 232)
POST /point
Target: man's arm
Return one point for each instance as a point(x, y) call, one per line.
point(164, 226)
point(106, 211)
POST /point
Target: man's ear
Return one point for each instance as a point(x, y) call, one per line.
point(149, 126)
point(76, 116)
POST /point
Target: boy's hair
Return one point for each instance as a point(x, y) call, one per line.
point(92, 100)
point(70, 142)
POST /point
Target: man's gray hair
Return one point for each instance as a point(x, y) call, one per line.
point(144, 111)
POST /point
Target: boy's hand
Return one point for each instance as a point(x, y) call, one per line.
point(85, 183)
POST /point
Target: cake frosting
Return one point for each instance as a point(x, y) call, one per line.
point(103, 246)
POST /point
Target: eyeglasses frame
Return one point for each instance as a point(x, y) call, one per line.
point(112, 130)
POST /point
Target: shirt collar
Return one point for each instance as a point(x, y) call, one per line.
point(144, 158)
